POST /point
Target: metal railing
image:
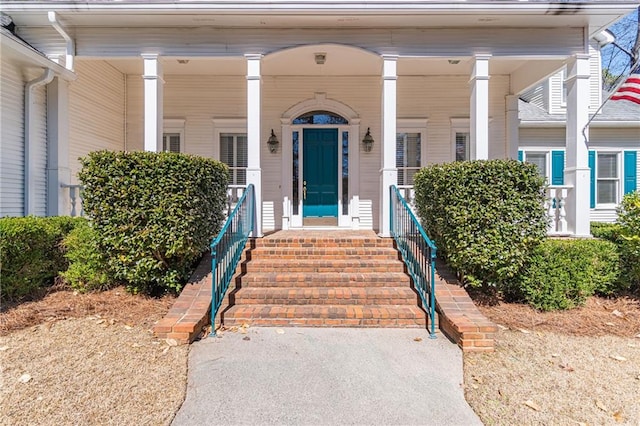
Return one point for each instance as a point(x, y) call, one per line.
point(227, 248)
point(418, 253)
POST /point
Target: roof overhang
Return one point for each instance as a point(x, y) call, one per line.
point(594, 123)
point(28, 56)
point(594, 15)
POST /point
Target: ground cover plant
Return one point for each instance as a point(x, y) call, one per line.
point(154, 213)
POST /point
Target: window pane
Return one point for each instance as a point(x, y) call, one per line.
point(540, 161)
point(171, 142)
point(226, 149)
point(296, 149)
point(241, 151)
point(607, 191)
point(320, 117)
point(462, 146)
point(408, 151)
point(607, 165)
point(233, 152)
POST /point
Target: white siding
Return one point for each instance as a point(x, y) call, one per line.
point(537, 96)
point(12, 137)
point(595, 83)
point(210, 41)
point(45, 39)
point(96, 111)
point(39, 148)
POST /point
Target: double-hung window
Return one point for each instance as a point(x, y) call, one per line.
point(173, 135)
point(550, 163)
point(460, 139)
point(233, 152)
point(171, 142)
point(409, 148)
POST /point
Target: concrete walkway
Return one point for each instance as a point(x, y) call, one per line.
point(325, 376)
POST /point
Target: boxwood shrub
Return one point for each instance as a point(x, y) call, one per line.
point(31, 254)
point(486, 217)
point(88, 268)
point(562, 274)
point(629, 239)
point(155, 213)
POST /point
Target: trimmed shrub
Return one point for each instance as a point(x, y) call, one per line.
point(87, 265)
point(486, 217)
point(629, 242)
point(562, 274)
point(30, 253)
point(155, 213)
point(606, 231)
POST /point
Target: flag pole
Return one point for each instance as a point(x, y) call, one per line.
point(611, 94)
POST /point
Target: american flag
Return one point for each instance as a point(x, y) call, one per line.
point(630, 89)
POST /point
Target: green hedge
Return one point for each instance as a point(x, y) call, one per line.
point(486, 217)
point(31, 255)
point(606, 231)
point(562, 274)
point(155, 213)
point(87, 264)
point(629, 240)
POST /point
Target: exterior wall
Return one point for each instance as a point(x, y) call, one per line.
point(441, 98)
point(12, 136)
point(96, 111)
point(600, 138)
point(12, 122)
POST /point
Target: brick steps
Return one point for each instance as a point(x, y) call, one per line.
point(332, 279)
point(327, 296)
point(330, 315)
point(327, 279)
point(323, 265)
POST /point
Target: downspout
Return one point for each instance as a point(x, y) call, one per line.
point(29, 130)
point(71, 44)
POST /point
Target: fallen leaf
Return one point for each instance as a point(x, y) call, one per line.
point(25, 378)
point(247, 338)
point(555, 355)
point(618, 416)
point(100, 321)
point(112, 321)
point(522, 330)
point(610, 324)
point(637, 336)
point(165, 350)
point(617, 313)
point(243, 330)
point(566, 367)
point(3, 348)
point(418, 339)
point(502, 327)
point(171, 342)
point(581, 424)
point(280, 331)
point(617, 357)
point(128, 327)
point(478, 379)
point(633, 345)
point(529, 403)
point(601, 406)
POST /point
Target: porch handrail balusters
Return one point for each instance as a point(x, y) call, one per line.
point(75, 197)
point(418, 252)
point(227, 247)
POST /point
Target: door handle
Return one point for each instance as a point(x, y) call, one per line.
point(304, 190)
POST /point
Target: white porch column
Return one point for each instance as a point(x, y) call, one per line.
point(513, 126)
point(58, 172)
point(389, 172)
point(254, 172)
point(577, 172)
point(153, 100)
point(479, 113)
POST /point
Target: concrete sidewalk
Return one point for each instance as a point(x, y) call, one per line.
point(325, 376)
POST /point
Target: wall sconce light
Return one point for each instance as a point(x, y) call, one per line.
point(273, 142)
point(367, 141)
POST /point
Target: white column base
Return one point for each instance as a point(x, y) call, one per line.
point(388, 178)
point(578, 201)
point(254, 176)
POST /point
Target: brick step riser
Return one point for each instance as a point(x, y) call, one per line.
point(249, 282)
point(328, 301)
point(297, 268)
point(335, 251)
point(326, 322)
point(324, 244)
point(319, 256)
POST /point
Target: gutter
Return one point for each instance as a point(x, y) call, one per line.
point(36, 58)
point(595, 123)
point(71, 44)
point(29, 131)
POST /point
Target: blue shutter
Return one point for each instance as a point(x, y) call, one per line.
point(630, 167)
point(557, 167)
point(520, 155)
point(592, 166)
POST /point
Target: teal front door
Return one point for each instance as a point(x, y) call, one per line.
point(320, 173)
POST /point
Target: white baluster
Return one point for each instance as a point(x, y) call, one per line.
point(562, 215)
point(286, 213)
point(551, 212)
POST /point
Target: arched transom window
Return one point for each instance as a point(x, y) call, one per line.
point(320, 117)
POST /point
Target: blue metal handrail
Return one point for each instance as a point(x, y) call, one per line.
point(418, 253)
point(227, 248)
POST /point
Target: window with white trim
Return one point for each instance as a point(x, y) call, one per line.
point(540, 160)
point(607, 177)
point(233, 152)
point(462, 146)
point(173, 135)
point(460, 139)
point(410, 148)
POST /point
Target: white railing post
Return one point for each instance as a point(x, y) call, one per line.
point(555, 206)
point(286, 213)
point(562, 213)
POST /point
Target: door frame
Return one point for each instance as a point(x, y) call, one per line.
point(320, 102)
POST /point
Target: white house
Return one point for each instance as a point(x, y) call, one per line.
point(613, 139)
point(426, 81)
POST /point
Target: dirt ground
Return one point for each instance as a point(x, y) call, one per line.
point(75, 359)
point(577, 367)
